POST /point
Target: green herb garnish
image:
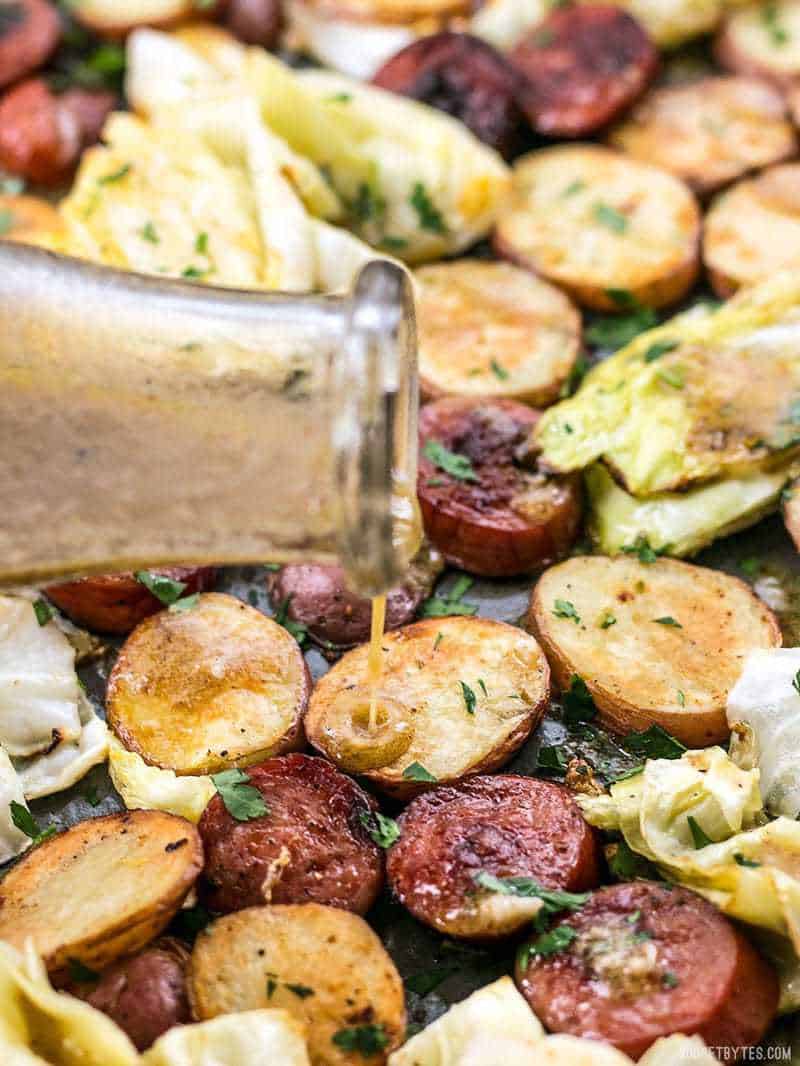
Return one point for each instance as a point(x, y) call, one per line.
point(241, 799)
point(449, 604)
point(365, 1039)
point(457, 466)
point(469, 697)
point(164, 589)
point(699, 836)
point(297, 629)
point(27, 824)
point(653, 743)
point(565, 609)
point(43, 611)
point(384, 831)
point(668, 620)
point(415, 771)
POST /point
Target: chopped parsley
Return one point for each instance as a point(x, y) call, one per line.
point(553, 900)
point(438, 641)
point(242, 800)
point(610, 217)
point(674, 376)
point(668, 620)
point(457, 466)
point(607, 619)
point(365, 1039)
point(164, 589)
point(669, 980)
point(149, 233)
point(551, 757)
point(659, 348)
point(297, 629)
point(699, 836)
point(469, 697)
point(415, 771)
point(301, 991)
point(795, 681)
point(643, 550)
point(384, 831)
point(618, 330)
point(449, 604)
point(339, 98)
point(742, 860)
point(43, 611)
point(201, 244)
point(80, 972)
point(558, 939)
point(499, 370)
point(430, 218)
point(115, 175)
point(393, 244)
point(626, 865)
point(193, 272)
point(750, 567)
point(770, 16)
point(186, 603)
point(565, 609)
point(368, 204)
point(653, 743)
point(424, 983)
point(574, 187)
point(681, 698)
point(27, 824)
point(578, 703)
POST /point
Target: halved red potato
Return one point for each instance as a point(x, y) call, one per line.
point(598, 223)
point(100, 890)
point(112, 18)
point(658, 644)
point(752, 230)
point(492, 329)
point(762, 40)
point(464, 77)
point(791, 511)
point(29, 33)
point(493, 828)
point(325, 966)
point(709, 132)
point(482, 509)
point(203, 689)
point(117, 603)
point(583, 66)
point(457, 697)
point(29, 220)
point(317, 596)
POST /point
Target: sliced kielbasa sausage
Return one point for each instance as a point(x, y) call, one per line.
point(457, 842)
point(90, 109)
point(117, 603)
point(146, 994)
point(255, 21)
point(314, 845)
point(29, 33)
point(583, 65)
point(481, 508)
point(641, 961)
point(464, 77)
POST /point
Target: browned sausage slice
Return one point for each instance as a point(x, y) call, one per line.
point(484, 511)
point(29, 33)
point(313, 846)
point(117, 603)
point(90, 110)
point(39, 140)
point(464, 77)
point(503, 826)
point(583, 65)
point(255, 21)
point(643, 960)
point(146, 994)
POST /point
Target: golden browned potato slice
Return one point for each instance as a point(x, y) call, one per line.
point(790, 505)
point(656, 644)
point(491, 329)
point(322, 965)
point(100, 890)
point(113, 18)
point(29, 220)
point(213, 686)
point(391, 11)
point(594, 220)
point(753, 230)
point(762, 39)
point(458, 697)
point(709, 132)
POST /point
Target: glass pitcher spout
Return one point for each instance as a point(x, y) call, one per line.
point(153, 422)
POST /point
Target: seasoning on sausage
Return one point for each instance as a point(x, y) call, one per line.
point(464, 77)
point(641, 961)
point(29, 33)
point(481, 508)
point(583, 65)
point(313, 845)
point(489, 828)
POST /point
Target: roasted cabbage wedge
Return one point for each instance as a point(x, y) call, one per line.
point(751, 867)
point(495, 1026)
point(254, 1038)
point(150, 788)
point(701, 397)
point(408, 179)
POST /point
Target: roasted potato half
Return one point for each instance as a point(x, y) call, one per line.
point(29, 220)
point(458, 696)
point(100, 890)
point(324, 966)
point(594, 221)
point(763, 40)
point(655, 644)
point(213, 686)
point(709, 132)
point(752, 231)
point(790, 506)
point(110, 18)
point(492, 329)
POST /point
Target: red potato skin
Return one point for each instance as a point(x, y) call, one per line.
point(254, 21)
point(477, 525)
point(336, 618)
point(582, 67)
point(464, 77)
point(28, 42)
point(314, 820)
point(42, 135)
point(505, 825)
point(117, 603)
point(145, 995)
point(724, 991)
